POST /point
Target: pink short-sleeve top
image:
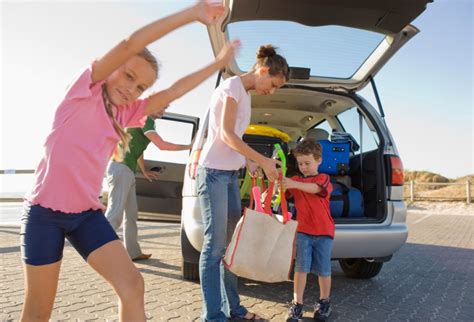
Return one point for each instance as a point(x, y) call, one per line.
point(82, 140)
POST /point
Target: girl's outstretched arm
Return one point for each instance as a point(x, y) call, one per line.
point(203, 11)
point(161, 99)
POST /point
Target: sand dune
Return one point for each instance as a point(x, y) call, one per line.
point(443, 208)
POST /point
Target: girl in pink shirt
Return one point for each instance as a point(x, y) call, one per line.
point(87, 128)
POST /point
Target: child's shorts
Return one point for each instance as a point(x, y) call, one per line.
point(313, 254)
point(43, 231)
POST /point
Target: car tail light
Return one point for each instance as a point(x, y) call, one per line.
point(397, 177)
point(194, 163)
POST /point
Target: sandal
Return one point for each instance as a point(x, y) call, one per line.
point(141, 257)
point(249, 316)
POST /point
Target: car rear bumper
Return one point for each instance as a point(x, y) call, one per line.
point(351, 240)
point(192, 221)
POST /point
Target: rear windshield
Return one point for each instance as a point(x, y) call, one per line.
point(329, 51)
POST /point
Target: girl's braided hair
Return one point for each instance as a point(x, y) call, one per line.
point(123, 146)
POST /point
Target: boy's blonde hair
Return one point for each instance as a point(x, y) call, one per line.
point(307, 147)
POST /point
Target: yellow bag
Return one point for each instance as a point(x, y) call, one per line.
point(258, 129)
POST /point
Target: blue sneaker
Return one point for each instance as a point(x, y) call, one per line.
point(322, 310)
point(295, 312)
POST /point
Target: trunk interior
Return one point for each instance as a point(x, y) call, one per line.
point(368, 181)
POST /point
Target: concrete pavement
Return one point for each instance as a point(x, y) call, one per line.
point(430, 279)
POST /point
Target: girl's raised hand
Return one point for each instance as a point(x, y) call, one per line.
point(207, 11)
point(228, 52)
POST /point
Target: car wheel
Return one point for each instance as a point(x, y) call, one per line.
point(360, 267)
point(190, 271)
point(190, 258)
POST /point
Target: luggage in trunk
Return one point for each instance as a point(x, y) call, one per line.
point(346, 201)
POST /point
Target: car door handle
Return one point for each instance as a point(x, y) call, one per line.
point(158, 169)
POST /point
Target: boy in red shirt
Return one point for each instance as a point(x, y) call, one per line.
point(315, 235)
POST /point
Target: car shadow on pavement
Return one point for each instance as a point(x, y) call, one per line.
point(13, 249)
point(157, 263)
point(161, 273)
point(152, 225)
point(421, 283)
point(159, 235)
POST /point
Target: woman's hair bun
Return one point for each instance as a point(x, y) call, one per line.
point(266, 51)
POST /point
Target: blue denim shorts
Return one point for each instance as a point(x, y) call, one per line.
point(43, 231)
point(313, 254)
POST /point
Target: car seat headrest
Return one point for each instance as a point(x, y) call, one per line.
point(292, 145)
point(317, 134)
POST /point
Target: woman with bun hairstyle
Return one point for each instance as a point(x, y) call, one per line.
point(224, 153)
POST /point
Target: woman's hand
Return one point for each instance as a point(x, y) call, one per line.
point(252, 166)
point(207, 12)
point(269, 167)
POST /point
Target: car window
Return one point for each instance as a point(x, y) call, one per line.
point(350, 122)
point(171, 131)
point(329, 51)
point(325, 126)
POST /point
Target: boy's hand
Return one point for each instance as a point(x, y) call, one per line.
point(151, 175)
point(207, 12)
point(228, 52)
point(288, 183)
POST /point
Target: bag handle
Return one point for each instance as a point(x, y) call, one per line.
point(278, 152)
point(255, 197)
point(284, 208)
point(254, 184)
point(343, 186)
point(258, 203)
point(268, 198)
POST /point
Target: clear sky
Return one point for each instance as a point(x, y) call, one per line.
point(426, 89)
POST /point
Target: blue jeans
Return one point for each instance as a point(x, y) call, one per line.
point(219, 197)
point(313, 254)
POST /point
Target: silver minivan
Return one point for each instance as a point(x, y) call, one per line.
point(335, 48)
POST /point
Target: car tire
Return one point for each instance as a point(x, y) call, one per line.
point(360, 268)
point(190, 258)
point(190, 271)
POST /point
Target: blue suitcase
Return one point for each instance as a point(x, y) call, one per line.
point(335, 157)
point(346, 201)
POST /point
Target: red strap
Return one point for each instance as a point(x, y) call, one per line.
point(254, 183)
point(268, 199)
point(264, 186)
point(284, 207)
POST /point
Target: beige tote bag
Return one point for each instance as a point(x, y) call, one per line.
point(262, 247)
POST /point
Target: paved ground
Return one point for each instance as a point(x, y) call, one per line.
point(430, 279)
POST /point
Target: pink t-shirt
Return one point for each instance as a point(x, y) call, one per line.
point(81, 142)
point(216, 154)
